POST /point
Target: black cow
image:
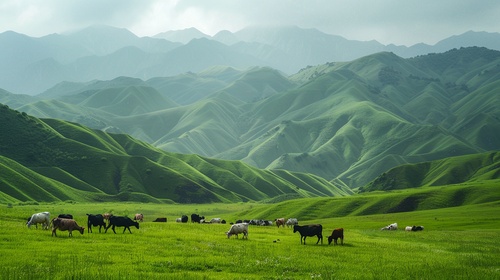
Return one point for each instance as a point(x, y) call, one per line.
point(161, 220)
point(95, 220)
point(65, 216)
point(119, 221)
point(184, 219)
point(195, 218)
point(417, 228)
point(309, 230)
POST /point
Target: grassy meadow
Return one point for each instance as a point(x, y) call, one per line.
point(457, 243)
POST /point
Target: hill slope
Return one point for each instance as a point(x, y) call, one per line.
point(52, 160)
point(453, 170)
point(347, 122)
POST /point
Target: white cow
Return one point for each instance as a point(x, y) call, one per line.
point(237, 229)
point(215, 221)
point(393, 226)
point(40, 218)
point(291, 222)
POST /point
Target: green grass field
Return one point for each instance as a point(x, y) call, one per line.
point(457, 243)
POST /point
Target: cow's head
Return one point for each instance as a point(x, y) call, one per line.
point(330, 238)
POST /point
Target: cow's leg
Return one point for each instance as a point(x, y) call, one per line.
point(128, 230)
point(54, 232)
point(110, 225)
point(70, 233)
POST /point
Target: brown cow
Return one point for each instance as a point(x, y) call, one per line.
point(65, 224)
point(139, 217)
point(280, 222)
point(106, 216)
point(336, 234)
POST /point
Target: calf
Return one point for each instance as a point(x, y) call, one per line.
point(118, 221)
point(280, 222)
point(95, 220)
point(65, 224)
point(237, 229)
point(336, 234)
point(309, 230)
point(139, 217)
point(106, 216)
point(40, 218)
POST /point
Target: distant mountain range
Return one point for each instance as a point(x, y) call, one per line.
point(32, 65)
point(347, 122)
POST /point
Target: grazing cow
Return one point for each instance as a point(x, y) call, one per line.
point(195, 218)
point(215, 221)
point(65, 224)
point(106, 216)
point(393, 226)
point(309, 230)
point(139, 217)
point(184, 219)
point(161, 220)
point(178, 220)
point(414, 228)
point(237, 229)
point(118, 221)
point(280, 222)
point(40, 218)
point(65, 216)
point(417, 228)
point(291, 222)
point(336, 234)
point(95, 220)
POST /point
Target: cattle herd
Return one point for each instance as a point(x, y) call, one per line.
point(65, 222)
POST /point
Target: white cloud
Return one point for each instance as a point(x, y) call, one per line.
point(388, 21)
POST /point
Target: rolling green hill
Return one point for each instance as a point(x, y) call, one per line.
point(453, 170)
point(53, 160)
point(486, 193)
point(347, 122)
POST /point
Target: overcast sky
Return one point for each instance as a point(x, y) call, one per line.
point(402, 22)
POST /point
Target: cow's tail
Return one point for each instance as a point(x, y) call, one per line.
point(51, 223)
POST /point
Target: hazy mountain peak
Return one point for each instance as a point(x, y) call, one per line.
point(182, 36)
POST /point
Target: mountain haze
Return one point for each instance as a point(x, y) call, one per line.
point(32, 65)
